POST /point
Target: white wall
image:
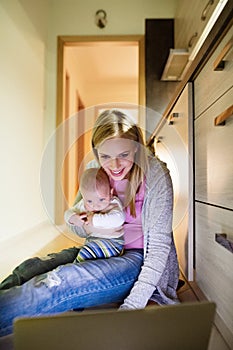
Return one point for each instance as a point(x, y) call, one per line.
point(29, 30)
point(22, 64)
point(77, 17)
point(106, 71)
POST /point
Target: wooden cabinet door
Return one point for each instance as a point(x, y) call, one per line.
point(214, 155)
point(175, 148)
point(213, 83)
point(190, 20)
point(213, 261)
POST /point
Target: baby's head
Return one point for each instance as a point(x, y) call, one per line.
point(95, 189)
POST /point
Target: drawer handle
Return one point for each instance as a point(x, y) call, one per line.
point(221, 118)
point(190, 43)
point(170, 120)
point(206, 9)
point(221, 238)
point(158, 139)
point(219, 63)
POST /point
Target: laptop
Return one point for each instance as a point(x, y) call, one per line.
point(181, 326)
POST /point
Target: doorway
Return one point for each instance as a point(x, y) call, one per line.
point(104, 55)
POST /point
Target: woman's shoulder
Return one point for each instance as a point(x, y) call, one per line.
point(156, 166)
point(157, 173)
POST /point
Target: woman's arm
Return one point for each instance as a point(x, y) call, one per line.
point(89, 229)
point(114, 217)
point(157, 226)
point(102, 232)
point(72, 222)
point(78, 202)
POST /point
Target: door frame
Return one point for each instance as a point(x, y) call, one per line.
point(76, 40)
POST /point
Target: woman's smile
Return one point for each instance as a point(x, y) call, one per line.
point(116, 156)
point(116, 173)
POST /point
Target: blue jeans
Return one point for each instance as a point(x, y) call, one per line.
point(71, 286)
point(36, 266)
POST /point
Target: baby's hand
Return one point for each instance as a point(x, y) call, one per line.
point(78, 220)
point(89, 218)
point(84, 217)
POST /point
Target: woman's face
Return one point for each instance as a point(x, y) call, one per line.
point(116, 156)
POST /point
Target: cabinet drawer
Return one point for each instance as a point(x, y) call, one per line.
point(190, 20)
point(211, 84)
point(214, 263)
point(214, 155)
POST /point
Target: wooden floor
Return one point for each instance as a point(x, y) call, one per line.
point(56, 241)
point(190, 292)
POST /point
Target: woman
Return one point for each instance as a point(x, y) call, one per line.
point(148, 269)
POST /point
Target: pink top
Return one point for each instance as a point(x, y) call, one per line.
point(133, 234)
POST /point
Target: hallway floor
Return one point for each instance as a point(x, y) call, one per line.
point(191, 293)
point(56, 241)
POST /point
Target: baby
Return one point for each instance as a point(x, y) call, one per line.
point(98, 208)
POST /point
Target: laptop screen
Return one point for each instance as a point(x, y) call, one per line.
point(182, 326)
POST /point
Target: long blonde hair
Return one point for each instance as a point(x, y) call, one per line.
point(114, 123)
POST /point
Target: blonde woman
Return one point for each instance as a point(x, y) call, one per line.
point(148, 269)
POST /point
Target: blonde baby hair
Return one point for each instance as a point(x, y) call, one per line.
point(93, 179)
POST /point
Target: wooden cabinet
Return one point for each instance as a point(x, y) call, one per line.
point(190, 20)
point(214, 263)
point(214, 155)
point(213, 96)
point(173, 145)
point(213, 82)
point(211, 73)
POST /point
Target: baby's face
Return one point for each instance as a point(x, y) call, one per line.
point(96, 200)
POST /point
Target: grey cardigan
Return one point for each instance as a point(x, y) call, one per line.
point(159, 274)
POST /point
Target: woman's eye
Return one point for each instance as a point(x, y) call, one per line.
point(89, 201)
point(102, 199)
point(124, 155)
point(104, 156)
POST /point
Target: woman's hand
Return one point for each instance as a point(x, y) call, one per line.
point(78, 220)
point(89, 218)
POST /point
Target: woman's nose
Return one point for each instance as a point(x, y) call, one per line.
point(115, 163)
